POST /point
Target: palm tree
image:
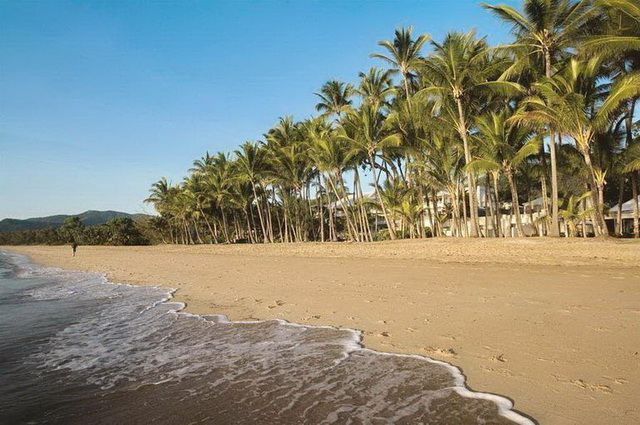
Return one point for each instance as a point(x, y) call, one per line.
point(572, 213)
point(621, 33)
point(195, 190)
point(335, 98)
point(632, 165)
point(329, 154)
point(159, 194)
point(376, 86)
point(218, 184)
point(403, 54)
point(504, 146)
point(460, 74)
point(545, 30)
point(365, 131)
point(568, 103)
point(251, 160)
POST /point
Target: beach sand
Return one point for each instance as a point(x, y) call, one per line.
point(552, 324)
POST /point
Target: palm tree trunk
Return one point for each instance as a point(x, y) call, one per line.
point(354, 221)
point(392, 233)
point(430, 215)
point(636, 207)
point(216, 236)
point(350, 227)
point(515, 204)
point(473, 201)
point(486, 202)
point(332, 230)
point(249, 229)
point(499, 230)
point(206, 220)
point(363, 210)
point(195, 226)
point(543, 193)
point(225, 229)
point(269, 217)
point(466, 228)
point(265, 236)
point(280, 230)
point(584, 220)
point(599, 207)
point(555, 221)
point(456, 212)
point(188, 232)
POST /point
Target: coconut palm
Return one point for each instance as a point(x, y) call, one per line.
point(335, 98)
point(251, 161)
point(567, 102)
point(632, 165)
point(403, 54)
point(365, 131)
point(330, 156)
point(544, 31)
point(571, 73)
point(504, 146)
point(574, 212)
point(376, 86)
point(621, 34)
point(460, 74)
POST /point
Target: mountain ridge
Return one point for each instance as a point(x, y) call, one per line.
point(88, 218)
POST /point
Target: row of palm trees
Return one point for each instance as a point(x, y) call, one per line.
point(549, 115)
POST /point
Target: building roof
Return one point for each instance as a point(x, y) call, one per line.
point(627, 207)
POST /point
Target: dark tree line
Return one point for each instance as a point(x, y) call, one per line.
point(119, 231)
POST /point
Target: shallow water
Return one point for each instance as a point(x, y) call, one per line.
point(76, 349)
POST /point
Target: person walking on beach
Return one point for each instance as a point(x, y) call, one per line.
point(74, 247)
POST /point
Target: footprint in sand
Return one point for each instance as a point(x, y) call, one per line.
point(278, 303)
point(592, 387)
point(499, 358)
point(619, 381)
point(441, 352)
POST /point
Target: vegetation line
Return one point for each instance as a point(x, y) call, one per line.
point(457, 138)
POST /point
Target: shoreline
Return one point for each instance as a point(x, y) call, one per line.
point(454, 311)
point(504, 404)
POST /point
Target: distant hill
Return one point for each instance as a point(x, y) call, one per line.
point(88, 218)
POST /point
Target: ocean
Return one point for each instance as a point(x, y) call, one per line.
point(77, 349)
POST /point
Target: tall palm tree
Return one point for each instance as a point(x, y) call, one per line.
point(403, 54)
point(367, 134)
point(504, 146)
point(251, 160)
point(460, 74)
point(545, 30)
point(376, 86)
point(621, 33)
point(632, 165)
point(335, 98)
point(329, 154)
point(569, 105)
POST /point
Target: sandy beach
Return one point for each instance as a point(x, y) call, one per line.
point(552, 324)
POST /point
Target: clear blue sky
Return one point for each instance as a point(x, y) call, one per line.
point(100, 99)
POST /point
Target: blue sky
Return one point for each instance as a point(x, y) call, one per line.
point(100, 99)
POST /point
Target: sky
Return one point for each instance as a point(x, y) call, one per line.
point(100, 99)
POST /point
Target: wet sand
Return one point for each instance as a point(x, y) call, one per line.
point(552, 324)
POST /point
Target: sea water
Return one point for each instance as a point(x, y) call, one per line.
point(77, 349)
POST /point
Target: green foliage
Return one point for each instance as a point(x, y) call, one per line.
point(441, 117)
point(118, 231)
